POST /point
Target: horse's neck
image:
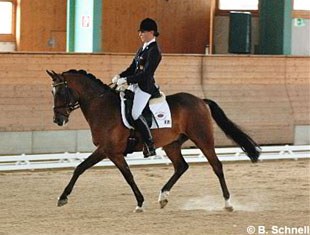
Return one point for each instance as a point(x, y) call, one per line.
point(101, 113)
point(86, 89)
point(97, 103)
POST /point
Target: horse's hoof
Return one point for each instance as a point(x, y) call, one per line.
point(163, 203)
point(62, 202)
point(138, 209)
point(163, 198)
point(229, 208)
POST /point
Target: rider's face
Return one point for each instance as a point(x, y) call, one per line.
point(146, 36)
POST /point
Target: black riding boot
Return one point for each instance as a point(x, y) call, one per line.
point(141, 125)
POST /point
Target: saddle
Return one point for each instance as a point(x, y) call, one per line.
point(146, 113)
point(156, 113)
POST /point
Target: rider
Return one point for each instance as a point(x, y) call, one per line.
point(140, 75)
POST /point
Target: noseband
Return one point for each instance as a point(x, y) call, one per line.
point(70, 104)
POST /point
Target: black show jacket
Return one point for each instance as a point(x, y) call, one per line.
point(143, 67)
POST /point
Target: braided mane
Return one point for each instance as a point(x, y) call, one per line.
point(90, 76)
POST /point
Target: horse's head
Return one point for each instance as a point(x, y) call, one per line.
point(65, 99)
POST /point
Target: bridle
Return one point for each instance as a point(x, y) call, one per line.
point(70, 103)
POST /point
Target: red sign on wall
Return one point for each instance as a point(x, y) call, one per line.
point(85, 21)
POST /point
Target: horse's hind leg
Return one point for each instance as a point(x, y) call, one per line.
point(218, 170)
point(94, 158)
point(203, 138)
point(173, 152)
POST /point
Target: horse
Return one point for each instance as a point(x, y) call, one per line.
point(100, 105)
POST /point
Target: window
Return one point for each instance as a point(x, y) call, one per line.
point(301, 5)
point(225, 6)
point(7, 19)
point(238, 5)
point(301, 9)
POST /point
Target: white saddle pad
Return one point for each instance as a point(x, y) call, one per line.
point(159, 108)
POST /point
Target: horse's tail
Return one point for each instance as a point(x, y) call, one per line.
point(232, 131)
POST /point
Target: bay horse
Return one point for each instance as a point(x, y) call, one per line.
point(191, 119)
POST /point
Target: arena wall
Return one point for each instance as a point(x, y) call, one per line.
point(43, 25)
point(268, 96)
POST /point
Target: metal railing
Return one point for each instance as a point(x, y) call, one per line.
point(70, 160)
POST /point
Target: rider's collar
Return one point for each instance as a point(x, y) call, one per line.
point(148, 43)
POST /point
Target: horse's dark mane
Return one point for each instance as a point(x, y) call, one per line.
point(91, 77)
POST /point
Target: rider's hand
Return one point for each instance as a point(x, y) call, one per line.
point(121, 81)
point(115, 78)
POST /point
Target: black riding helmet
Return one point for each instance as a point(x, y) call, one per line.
point(149, 24)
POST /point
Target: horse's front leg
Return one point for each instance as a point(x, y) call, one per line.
point(94, 158)
point(122, 165)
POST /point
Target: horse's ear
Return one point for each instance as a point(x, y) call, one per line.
point(55, 76)
point(49, 73)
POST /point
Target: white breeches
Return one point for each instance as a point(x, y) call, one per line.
point(140, 100)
